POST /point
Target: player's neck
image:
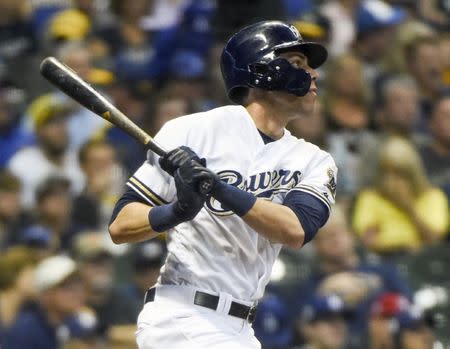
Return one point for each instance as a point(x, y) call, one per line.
point(267, 120)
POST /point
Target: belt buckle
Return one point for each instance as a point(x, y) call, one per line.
point(251, 314)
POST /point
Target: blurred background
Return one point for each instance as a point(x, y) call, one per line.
point(376, 276)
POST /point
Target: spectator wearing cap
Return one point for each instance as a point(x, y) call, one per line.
point(436, 154)
point(376, 25)
point(271, 323)
point(13, 136)
point(314, 26)
point(38, 239)
point(50, 156)
point(12, 217)
point(147, 259)
point(383, 311)
point(93, 207)
point(322, 323)
point(16, 284)
point(356, 277)
point(402, 211)
point(60, 295)
point(413, 329)
point(116, 313)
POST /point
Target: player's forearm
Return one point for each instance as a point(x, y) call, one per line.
point(277, 223)
point(132, 224)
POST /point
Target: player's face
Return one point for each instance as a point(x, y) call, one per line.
point(296, 105)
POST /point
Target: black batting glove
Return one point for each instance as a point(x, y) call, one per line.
point(197, 174)
point(189, 202)
point(177, 157)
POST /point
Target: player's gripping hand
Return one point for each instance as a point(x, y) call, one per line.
point(175, 158)
point(231, 198)
point(188, 204)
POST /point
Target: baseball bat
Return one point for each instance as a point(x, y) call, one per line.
point(75, 87)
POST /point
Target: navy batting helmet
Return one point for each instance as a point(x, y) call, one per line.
point(249, 59)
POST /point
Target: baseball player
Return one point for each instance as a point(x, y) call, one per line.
point(268, 189)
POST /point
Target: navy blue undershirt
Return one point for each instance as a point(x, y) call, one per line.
point(311, 211)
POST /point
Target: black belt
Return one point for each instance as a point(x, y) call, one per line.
point(210, 301)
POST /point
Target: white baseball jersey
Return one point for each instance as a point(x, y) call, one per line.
point(217, 250)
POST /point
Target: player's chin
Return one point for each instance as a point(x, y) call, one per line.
point(307, 103)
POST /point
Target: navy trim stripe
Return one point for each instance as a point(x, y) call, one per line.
point(140, 193)
point(150, 193)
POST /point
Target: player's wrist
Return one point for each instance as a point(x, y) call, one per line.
point(165, 217)
point(233, 198)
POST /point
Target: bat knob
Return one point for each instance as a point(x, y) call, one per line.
point(205, 187)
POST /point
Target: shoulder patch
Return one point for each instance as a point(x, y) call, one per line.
point(331, 184)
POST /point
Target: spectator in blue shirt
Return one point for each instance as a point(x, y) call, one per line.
point(60, 295)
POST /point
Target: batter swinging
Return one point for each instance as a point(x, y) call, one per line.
point(269, 189)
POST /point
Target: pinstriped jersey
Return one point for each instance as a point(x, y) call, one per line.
point(217, 250)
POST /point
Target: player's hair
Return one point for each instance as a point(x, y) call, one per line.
point(399, 155)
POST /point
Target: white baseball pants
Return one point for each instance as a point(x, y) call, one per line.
point(173, 321)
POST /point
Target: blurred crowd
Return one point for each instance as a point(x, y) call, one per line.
point(375, 276)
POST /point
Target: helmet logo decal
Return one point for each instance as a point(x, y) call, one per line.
point(295, 31)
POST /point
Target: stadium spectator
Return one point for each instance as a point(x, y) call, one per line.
point(147, 259)
point(116, 313)
point(16, 284)
point(82, 124)
point(168, 104)
point(376, 23)
point(59, 296)
point(322, 323)
point(50, 156)
point(83, 332)
point(341, 15)
point(139, 57)
point(355, 277)
point(93, 207)
point(346, 101)
point(13, 136)
point(133, 103)
point(37, 239)
point(54, 211)
point(402, 212)
point(414, 330)
point(382, 314)
point(436, 155)
point(427, 75)
point(18, 42)
point(271, 323)
point(396, 115)
point(12, 217)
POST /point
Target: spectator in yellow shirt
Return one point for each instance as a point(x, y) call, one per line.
point(402, 212)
